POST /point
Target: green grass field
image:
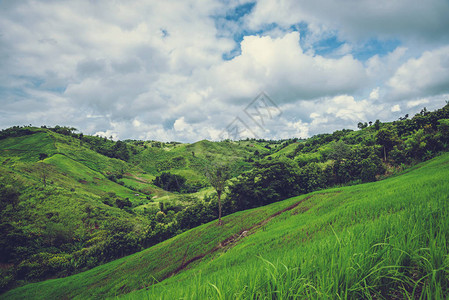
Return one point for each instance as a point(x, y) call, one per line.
point(27, 148)
point(381, 240)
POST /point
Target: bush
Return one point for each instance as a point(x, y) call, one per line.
point(9, 194)
point(122, 203)
point(170, 182)
point(176, 183)
point(368, 170)
point(266, 183)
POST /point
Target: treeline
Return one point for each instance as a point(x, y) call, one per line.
point(15, 131)
point(102, 145)
point(326, 160)
point(343, 157)
point(109, 148)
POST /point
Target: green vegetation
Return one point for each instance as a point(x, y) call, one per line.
point(71, 202)
point(66, 207)
point(385, 239)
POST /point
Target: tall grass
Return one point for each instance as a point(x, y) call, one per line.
point(382, 240)
point(386, 240)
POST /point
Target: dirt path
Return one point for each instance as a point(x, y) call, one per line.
point(232, 240)
point(137, 178)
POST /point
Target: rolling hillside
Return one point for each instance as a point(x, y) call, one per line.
point(386, 239)
point(66, 207)
point(70, 202)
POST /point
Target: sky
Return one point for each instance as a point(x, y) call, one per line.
point(191, 70)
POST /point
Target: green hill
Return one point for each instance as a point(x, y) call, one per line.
point(67, 204)
point(59, 212)
point(71, 202)
point(384, 239)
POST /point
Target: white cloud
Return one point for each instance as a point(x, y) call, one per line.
point(395, 108)
point(328, 114)
point(280, 66)
point(344, 49)
point(374, 95)
point(418, 102)
point(302, 129)
point(136, 123)
point(181, 125)
point(379, 68)
point(347, 108)
point(407, 19)
point(426, 75)
point(155, 69)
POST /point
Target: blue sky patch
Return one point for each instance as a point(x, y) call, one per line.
point(327, 46)
point(239, 11)
point(375, 46)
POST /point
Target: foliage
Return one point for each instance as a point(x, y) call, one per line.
point(339, 151)
point(175, 183)
point(97, 202)
point(266, 183)
point(9, 195)
point(16, 131)
point(104, 146)
point(196, 215)
point(387, 139)
point(384, 240)
point(218, 175)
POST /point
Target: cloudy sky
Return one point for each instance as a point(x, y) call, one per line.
point(188, 70)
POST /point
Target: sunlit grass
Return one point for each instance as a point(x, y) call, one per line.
point(381, 240)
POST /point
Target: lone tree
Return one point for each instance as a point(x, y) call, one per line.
point(43, 170)
point(218, 174)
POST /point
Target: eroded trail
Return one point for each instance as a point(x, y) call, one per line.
point(232, 240)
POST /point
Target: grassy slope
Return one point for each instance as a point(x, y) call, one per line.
point(75, 161)
point(27, 148)
point(286, 151)
point(385, 239)
point(75, 183)
point(187, 160)
point(190, 158)
point(70, 164)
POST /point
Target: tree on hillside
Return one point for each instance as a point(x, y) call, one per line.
point(170, 182)
point(43, 170)
point(443, 129)
point(339, 151)
point(386, 138)
point(268, 182)
point(377, 124)
point(361, 125)
point(217, 175)
point(9, 194)
point(120, 151)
